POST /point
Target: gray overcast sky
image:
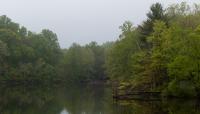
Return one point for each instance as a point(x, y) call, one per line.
point(79, 21)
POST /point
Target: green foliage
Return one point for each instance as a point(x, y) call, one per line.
point(77, 63)
point(156, 13)
point(181, 89)
point(6, 23)
point(119, 55)
point(83, 63)
point(170, 62)
point(26, 56)
point(161, 54)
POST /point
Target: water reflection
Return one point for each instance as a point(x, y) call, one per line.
point(64, 112)
point(83, 100)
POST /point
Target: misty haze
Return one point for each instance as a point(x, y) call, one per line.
point(100, 57)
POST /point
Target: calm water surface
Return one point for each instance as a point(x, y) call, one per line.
point(83, 100)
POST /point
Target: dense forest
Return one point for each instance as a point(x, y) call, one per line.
point(25, 55)
point(37, 57)
point(161, 54)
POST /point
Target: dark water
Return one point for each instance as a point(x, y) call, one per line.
point(82, 100)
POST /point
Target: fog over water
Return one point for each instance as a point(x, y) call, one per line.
point(79, 21)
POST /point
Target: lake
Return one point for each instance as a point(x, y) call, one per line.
point(82, 100)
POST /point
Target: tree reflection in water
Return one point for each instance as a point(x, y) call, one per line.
point(82, 100)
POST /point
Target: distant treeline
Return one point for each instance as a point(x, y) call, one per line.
point(84, 63)
point(28, 57)
point(162, 54)
point(25, 55)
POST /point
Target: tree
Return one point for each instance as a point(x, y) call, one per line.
point(158, 57)
point(6, 23)
point(78, 64)
point(99, 60)
point(156, 13)
point(119, 56)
